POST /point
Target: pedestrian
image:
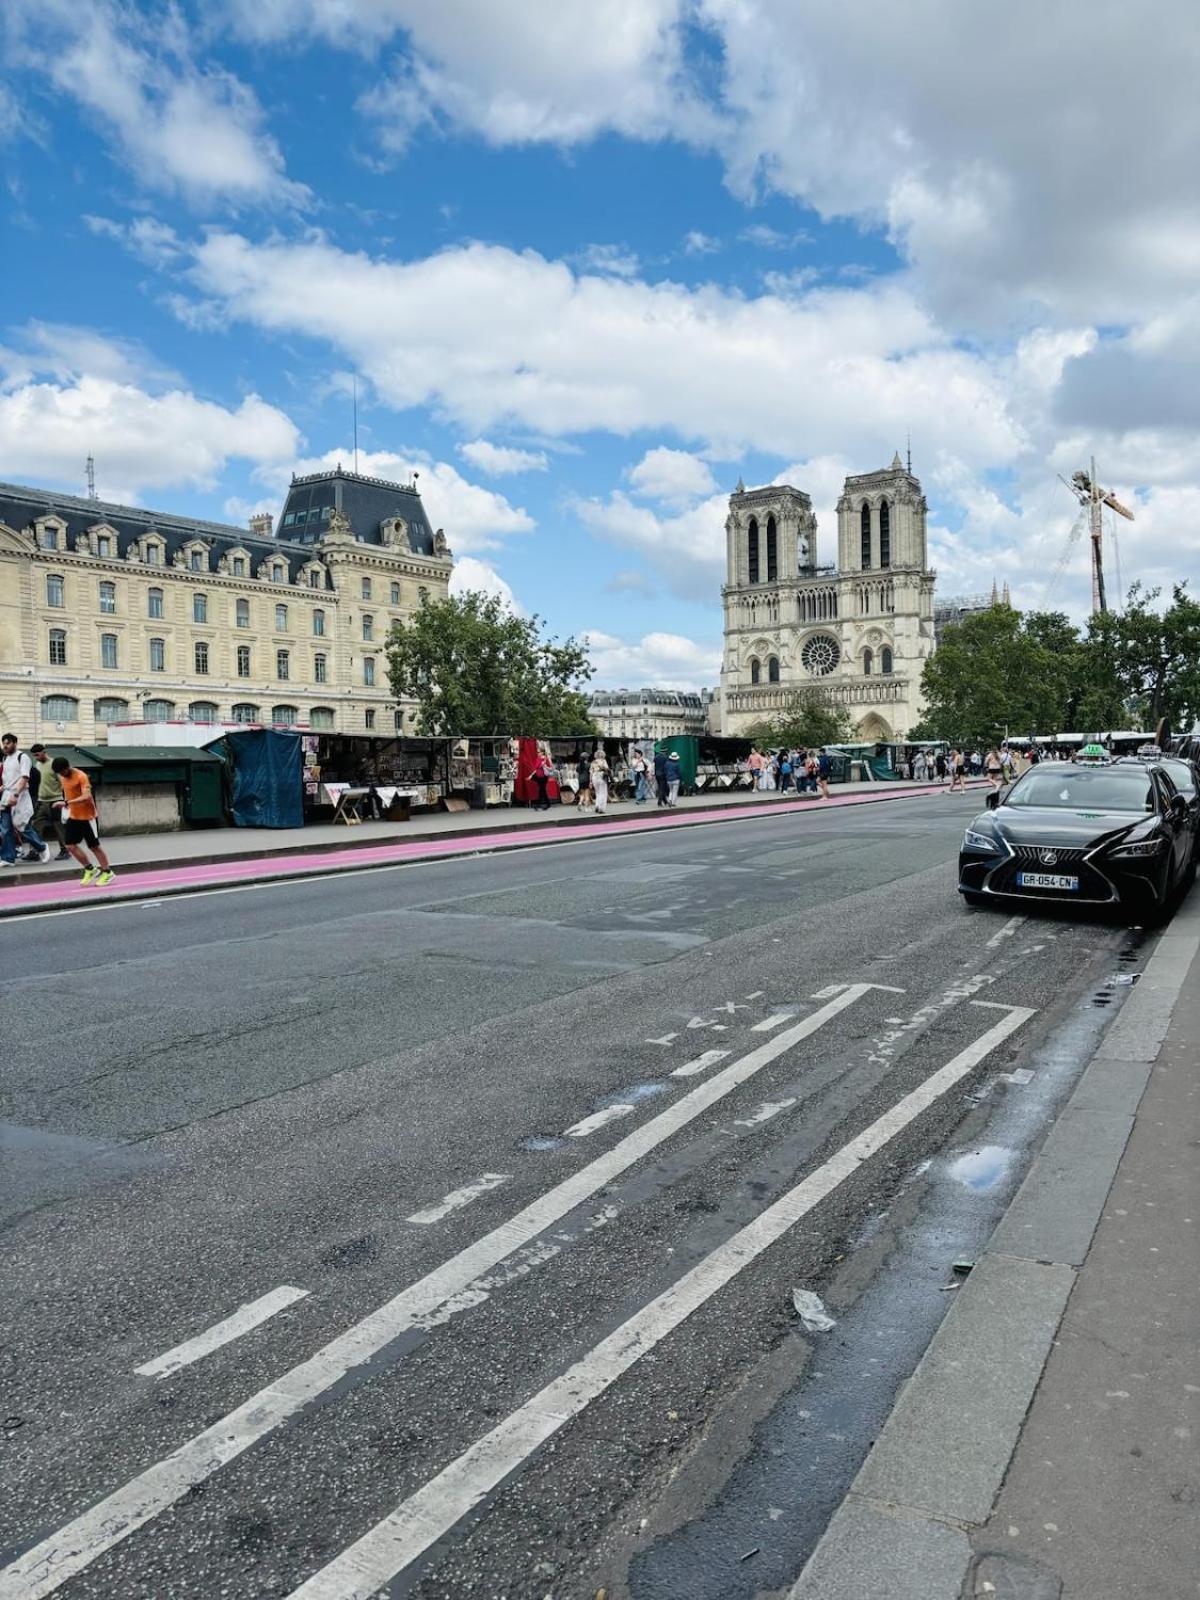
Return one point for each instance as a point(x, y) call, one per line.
point(958, 772)
point(16, 804)
point(660, 775)
point(80, 826)
point(824, 772)
point(542, 773)
point(976, 764)
point(755, 764)
point(785, 771)
point(639, 778)
point(994, 768)
point(600, 776)
point(812, 771)
point(939, 765)
point(583, 772)
point(674, 776)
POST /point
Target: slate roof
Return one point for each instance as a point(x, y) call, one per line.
point(366, 502)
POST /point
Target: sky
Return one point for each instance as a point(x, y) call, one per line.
point(588, 262)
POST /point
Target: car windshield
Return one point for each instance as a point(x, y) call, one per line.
point(1100, 789)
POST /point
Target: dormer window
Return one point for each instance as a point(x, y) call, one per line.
point(153, 553)
point(196, 560)
point(48, 536)
point(277, 572)
point(239, 566)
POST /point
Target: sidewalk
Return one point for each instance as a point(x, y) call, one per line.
point(1045, 1447)
point(174, 863)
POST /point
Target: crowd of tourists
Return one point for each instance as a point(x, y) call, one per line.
point(40, 796)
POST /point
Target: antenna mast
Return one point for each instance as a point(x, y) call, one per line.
point(91, 477)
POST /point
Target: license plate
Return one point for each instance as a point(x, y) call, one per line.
point(1045, 880)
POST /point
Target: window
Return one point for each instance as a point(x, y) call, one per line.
point(320, 717)
point(368, 626)
point(243, 661)
point(289, 519)
point(885, 534)
point(369, 671)
point(244, 712)
point(773, 669)
point(277, 573)
point(398, 719)
point(55, 590)
point(111, 709)
point(868, 663)
point(202, 711)
point(319, 624)
point(315, 579)
point(885, 658)
point(154, 603)
point(60, 707)
point(49, 538)
point(755, 669)
point(864, 523)
point(196, 560)
point(108, 599)
point(239, 566)
point(395, 594)
point(370, 718)
point(283, 716)
point(320, 665)
point(108, 650)
point(280, 619)
point(160, 710)
point(752, 543)
point(241, 613)
point(772, 551)
point(281, 664)
point(58, 647)
point(199, 608)
point(158, 655)
point(103, 545)
point(153, 555)
point(366, 588)
point(201, 659)
point(422, 595)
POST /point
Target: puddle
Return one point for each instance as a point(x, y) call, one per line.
point(982, 1169)
point(541, 1141)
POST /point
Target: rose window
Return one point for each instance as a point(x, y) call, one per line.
point(820, 655)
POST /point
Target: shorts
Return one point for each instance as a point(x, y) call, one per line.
point(78, 830)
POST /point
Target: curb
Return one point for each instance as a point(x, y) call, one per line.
point(555, 833)
point(936, 1469)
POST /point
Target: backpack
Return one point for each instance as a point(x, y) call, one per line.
point(35, 778)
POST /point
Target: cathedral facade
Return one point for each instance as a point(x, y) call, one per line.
point(859, 630)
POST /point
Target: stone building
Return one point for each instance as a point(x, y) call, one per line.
point(859, 630)
point(649, 713)
point(111, 613)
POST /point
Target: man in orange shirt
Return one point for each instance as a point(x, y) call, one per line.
point(80, 825)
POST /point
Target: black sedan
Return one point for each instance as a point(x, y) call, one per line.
point(1120, 836)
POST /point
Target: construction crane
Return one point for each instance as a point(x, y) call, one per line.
point(1090, 495)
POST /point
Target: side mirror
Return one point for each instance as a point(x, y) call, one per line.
point(1179, 807)
point(993, 800)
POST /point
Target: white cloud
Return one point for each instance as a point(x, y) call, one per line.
point(611, 258)
point(474, 518)
point(657, 660)
point(498, 460)
point(672, 477)
point(139, 440)
point(687, 550)
point(152, 241)
point(186, 128)
point(696, 243)
point(472, 576)
point(63, 351)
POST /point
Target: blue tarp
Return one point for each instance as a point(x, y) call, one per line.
point(268, 787)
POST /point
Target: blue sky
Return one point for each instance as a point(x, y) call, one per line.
point(590, 263)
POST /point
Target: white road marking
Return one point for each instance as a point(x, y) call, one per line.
point(776, 1020)
point(1006, 932)
point(458, 1198)
point(692, 1069)
point(700, 1022)
point(406, 1534)
point(829, 990)
point(72, 1548)
point(598, 1119)
point(764, 1113)
point(757, 995)
point(667, 1038)
point(243, 1319)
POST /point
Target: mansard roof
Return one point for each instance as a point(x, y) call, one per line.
point(365, 502)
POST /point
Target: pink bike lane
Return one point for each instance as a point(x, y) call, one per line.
point(186, 879)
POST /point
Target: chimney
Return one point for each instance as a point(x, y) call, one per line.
point(262, 524)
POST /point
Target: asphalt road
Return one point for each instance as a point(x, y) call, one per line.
point(543, 1143)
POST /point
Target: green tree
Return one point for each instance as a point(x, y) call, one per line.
point(474, 667)
point(806, 719)
point(1145, 663)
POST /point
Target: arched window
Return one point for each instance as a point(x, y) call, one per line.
point(868, 662)
point(244, 712)
point(283, 716)
point(885, 658)
point(864, 522)
point(773, 669)
point(60, 708)
point(111, 709)
point(755, 670)
point(772, 551)
point(752, 548)
point(202, 711)
point(321, 717)
point(885, 534)
point(159, 710)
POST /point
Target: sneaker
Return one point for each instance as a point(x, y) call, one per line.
point(63, 855)
point(104, 878)
point(45, 854)
point(7, 863)
point(88, 876)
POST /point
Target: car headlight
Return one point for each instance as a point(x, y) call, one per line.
point(980, 841)
point(1143, 847)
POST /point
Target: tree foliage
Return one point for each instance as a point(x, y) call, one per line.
point(474, 667)
point(1037, 673)
point(807, 719)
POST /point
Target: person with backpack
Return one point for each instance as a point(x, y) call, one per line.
point(16, 804)
point(80, 827)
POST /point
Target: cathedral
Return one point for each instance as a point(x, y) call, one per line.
point(859, 630)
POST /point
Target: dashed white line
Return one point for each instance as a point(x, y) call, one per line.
point(598, 1119)
point(776, 1020)
point(693, 1069)
point(241, 1321)
point(72, 1548)
point(1006, 932)
point(458, 1198)
point(407, 1533)
point(764, 1113)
